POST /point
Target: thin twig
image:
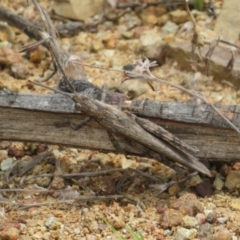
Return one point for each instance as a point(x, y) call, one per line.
point(147, 4)
point(52, 89)
point(94, 174)
point(160, 188)
point(29, 190)
point(80, 198)
point(150, 76)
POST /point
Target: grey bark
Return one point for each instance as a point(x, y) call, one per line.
point(48, 119)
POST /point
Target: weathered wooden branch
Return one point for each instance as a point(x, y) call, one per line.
point(32, 30)
point(48, 119)
point(17, 21)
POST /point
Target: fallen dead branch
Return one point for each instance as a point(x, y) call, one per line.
point(142, 70)
point(24, 25)
point(50, 118)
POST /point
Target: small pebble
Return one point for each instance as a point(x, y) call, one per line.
point(43, 181)
point(222, 234)
point(37, 55)
point(236, 166)
point(148, 18)
point(233, 180)
point(211, 217)
point(204, 188)
point(85, 210)
point(188, 204)
point(9, 56)
point(6, 164)
point(185, 234)
point(3, 155)
point(56, 153)
point(163, 19)
point(77, 231)
point(6, 33)
point(19, 71)
point(38, 235)
point(205, 231)
point(193, 181)
point(174, 190)
point(150, 43)
point(134, 88)
point(201, 218)
point(167, 232)
point(169, 27)
point(179, 16)
point(222, 220)
point(224, 170)
point(91, 237)
point(14, 151)
point(50, 221)
point(235, 204)
point(2, 212)
point(9, 234)
point(171, 218)
point(218, 183)
point(189, 222)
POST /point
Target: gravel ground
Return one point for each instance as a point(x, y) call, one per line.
point(42, 206)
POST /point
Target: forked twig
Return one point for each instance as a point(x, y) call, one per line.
point(160, 188)
point(146, 74)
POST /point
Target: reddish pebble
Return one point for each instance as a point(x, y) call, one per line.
point(201, 218)
point(41, 148)
point(222, 234)
point(204, 188)
point(188, 204)
point(91, 237)
point(236, 166)
point(9, 234)
point(224, 170)
point(14, 152)
point(171, 218)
